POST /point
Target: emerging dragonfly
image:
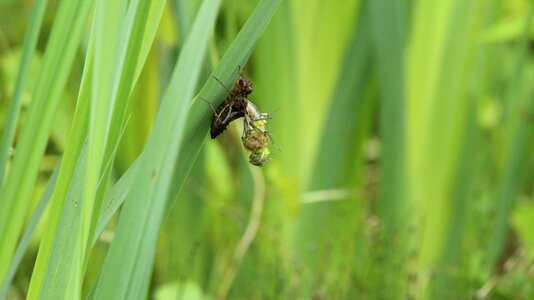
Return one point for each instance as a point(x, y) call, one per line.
point(255, 136)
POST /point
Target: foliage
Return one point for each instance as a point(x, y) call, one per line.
point(402, 138)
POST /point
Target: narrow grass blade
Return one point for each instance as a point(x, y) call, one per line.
point(389, 35)
point(314, 79)
point(115, 197)
point(58, 58)
point(25, 239)
point(341, 145)
point(518, 148)
point(140, 26)
point(66, 174)
point(445, 284)
point(30, 41)
point(133, 28)
point(438, 65)
point(127, 268)
point(109, 37)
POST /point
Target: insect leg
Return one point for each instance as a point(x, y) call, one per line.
point(212, 108)
point(228, 115)
point(209, 103)
point(271, 138)
point(240, 70)
point(222, 84)
point(262, 117)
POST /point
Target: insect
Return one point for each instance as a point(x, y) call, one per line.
point(260, 157)
point(255, 139)
point(255, 135)
point(233, 107)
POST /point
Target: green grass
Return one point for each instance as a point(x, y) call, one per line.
point(402, 150)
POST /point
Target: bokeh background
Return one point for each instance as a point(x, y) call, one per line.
point(403, 162)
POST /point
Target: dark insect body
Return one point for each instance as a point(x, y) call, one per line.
point(233, 107)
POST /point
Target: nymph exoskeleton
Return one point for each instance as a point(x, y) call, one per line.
point(233, 107)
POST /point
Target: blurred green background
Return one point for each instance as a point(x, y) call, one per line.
point(403, 162)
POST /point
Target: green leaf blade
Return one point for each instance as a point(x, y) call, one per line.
point(134, 251)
